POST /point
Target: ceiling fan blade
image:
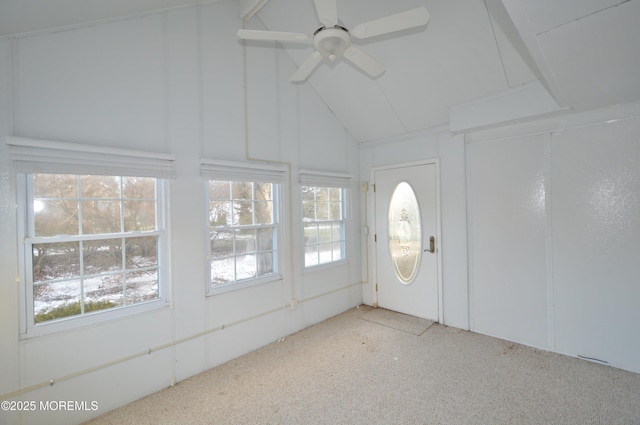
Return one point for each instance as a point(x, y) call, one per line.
point(307, 67)
point(327, 12)
point(292, 37)
point(369, 65)
point(392, 23)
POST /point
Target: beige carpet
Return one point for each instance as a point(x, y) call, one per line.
point(347, 370)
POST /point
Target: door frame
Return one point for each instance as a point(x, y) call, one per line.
point(374, 271)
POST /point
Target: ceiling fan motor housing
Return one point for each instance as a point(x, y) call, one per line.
point(332, 42)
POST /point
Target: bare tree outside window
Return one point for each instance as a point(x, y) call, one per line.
point(94, 243)
point(242, 231)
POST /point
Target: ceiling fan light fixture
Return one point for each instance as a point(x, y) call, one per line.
point(332, 42)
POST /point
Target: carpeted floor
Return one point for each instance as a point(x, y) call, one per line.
point(376, 367)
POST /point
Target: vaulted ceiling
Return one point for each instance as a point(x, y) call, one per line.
point(472, 55)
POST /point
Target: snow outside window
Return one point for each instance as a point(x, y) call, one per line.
point(324, 225)
point(243, 229)
point(93, 244)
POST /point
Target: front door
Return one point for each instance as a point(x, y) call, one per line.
point(406, 239)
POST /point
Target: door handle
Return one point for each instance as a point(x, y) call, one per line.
point(432, 245)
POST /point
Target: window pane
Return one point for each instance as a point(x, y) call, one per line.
point(265, 239)
point(246, 267)
point(245, 242)
point(220, 213)
point(335, 211)
point(102, 256)
point(142, 286)
point(322, 194)
point(263, 191)
point(242, 190)
point(55, 261)
point(336, 231)
point(324, 232)
point(335, 194)
point(243, 213)
point(265, 263)
point(56, 300)
point(338, 251)
point(221, 243)
point(102, 292)
point(308, 210)
point(139, 216)
point(100, 217)
point(322, 211)
point(308, 193)
point(325, 252)
point(53, 218)
point(310, 234)
point(222, 271)
point(55, 186)
point(311, 255)
point(138, 187)
point(219, 190)
point(141, 252)
point(100, 187)
point(263, 212)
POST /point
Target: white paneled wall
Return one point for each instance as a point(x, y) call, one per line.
point(595, 210)
point(506, 192)
point(554, 235)
point(170, 82)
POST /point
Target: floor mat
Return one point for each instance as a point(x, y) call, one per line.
point(402, 322)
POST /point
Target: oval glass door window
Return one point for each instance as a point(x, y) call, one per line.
point(405, 235)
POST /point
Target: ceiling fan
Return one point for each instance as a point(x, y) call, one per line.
point(332, 40)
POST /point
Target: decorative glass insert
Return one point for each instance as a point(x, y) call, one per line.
point(404, 230)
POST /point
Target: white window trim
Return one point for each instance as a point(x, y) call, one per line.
point(31, 156)
point(315, 178)
point(245, 171)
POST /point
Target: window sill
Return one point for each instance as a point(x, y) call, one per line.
point(74, 323)
point(325, 266)
point(243, 284)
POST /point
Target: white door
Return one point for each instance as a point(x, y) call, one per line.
point(406, 240)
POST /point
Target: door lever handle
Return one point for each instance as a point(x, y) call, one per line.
point(432, 245)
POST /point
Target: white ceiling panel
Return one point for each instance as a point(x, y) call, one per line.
point(358, 102)
point(596, 60)
point(20, 16)
point(455, 60)
point(544, 15)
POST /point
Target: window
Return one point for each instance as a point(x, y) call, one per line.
point(243, 215)
point(91, 232)
point(324, 211)
point(323, 219)
point(242, 230)
point(93, 243)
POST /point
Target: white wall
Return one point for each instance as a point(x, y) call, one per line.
point(170, 82)
point(415, 147)
point(554, 232)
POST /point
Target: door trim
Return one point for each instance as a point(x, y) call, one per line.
point(374, 268)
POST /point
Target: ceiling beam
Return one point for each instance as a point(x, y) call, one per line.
point(516, 11)
point(248, 8)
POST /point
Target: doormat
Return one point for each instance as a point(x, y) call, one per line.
point(401, 322)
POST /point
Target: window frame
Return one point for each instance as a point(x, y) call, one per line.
point(40, 156)
point(26, 239)
point(344, 193)
point(223, 170)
